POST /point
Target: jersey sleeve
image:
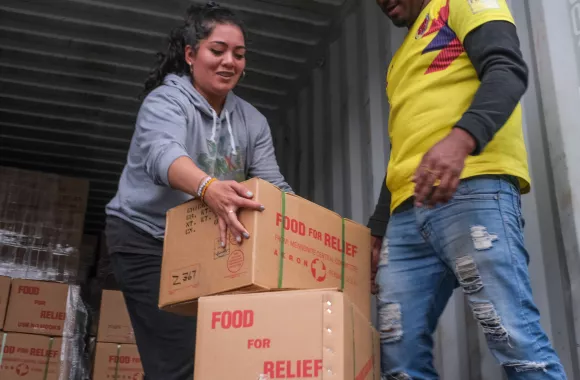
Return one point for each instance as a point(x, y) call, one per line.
point(467, 15)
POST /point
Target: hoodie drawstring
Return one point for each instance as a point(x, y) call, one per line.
point(232, 142)
point(214, 128)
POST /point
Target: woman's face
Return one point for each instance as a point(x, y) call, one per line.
point(219, 61)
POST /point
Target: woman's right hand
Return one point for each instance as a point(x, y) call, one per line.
point(225, 199)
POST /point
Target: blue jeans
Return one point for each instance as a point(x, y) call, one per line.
point(475, 241)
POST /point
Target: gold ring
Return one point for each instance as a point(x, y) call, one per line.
point(432, 172)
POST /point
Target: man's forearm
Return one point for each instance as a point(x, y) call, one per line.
point(380, 219)
point(494, 51)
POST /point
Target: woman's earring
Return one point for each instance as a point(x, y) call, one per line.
point(244, 74)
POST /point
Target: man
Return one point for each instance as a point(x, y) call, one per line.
point(458, 165)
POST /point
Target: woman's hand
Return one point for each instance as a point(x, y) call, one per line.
point(225, 198)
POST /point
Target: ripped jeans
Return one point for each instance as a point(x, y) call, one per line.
point(475, 241)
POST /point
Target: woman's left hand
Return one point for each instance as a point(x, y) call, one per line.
point(225, 199)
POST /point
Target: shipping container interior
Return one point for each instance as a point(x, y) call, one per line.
point(72, 73)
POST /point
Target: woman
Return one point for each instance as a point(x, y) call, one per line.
point(193, 138)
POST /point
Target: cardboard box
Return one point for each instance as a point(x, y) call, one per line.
point(117, 361)
point(114, 322)
point(37, 307)
point(4, 293)
point(314, 241)
point(29, 357)
point(282, 335)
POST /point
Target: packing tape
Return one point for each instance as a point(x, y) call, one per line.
point(3, 345)
point(282, 245)
point(50, 343)
point(116, 375)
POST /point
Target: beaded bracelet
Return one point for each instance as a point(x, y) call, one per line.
point(202, 185)
point(205, 189)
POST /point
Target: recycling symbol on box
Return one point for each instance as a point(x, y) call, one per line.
point(318, 269)
point(22, 369)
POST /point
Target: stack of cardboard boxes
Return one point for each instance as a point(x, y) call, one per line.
point(42, 330)
point(40, 337)
point(248, 328)
point(41, 230)
point(116, 354)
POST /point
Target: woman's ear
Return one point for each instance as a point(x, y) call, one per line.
point(190, 55)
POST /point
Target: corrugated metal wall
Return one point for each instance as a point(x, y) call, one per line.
point(333, 148)
point(71, 72)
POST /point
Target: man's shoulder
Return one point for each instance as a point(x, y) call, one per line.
point(467, 15)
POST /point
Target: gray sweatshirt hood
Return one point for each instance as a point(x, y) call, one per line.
point(184, 85)
point(174, 121)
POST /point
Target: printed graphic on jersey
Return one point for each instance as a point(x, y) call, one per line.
point(423, 27)
point(482, 5)
point(445, 41)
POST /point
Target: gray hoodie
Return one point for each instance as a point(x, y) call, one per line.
point(175, 120)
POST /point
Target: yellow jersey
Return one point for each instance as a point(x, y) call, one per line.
point(431, 82)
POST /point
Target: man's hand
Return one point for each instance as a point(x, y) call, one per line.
point(376, 243)
point(444, 163)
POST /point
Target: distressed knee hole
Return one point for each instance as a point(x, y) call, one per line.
point(482, 240)
point(489, 321)
point(384, 257)
point(398, 376)
point(468, 275)
point(525, 366)
point(391, 329)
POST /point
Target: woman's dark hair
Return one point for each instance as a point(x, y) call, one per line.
point(200, 22)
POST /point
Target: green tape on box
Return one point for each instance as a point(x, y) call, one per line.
point(282, 242)
point(3, 345)
point(343, 255)
point(50, 343)
point(116, 375)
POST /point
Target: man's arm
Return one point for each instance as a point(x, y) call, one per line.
point(379, 220)
point(378, 225)
point(494, 50)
